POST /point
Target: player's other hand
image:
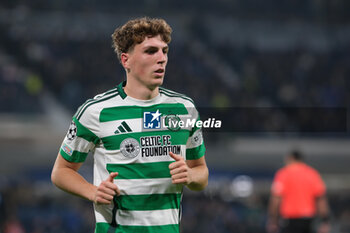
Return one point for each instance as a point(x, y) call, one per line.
point(272, 227)
point(324, 228)
point(179, 171)
point(106, 190)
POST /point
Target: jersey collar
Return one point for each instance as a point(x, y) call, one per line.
point(121, 89)
point(123, 95)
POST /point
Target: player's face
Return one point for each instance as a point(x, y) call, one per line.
point(146, 62)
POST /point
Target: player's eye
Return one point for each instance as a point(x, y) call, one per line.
point(151, 50)
point(165, 50)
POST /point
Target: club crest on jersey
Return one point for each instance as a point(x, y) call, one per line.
point(151, 120)
point(172, 122)
point(72, 131)
point(130, 147)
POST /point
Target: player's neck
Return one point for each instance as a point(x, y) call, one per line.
point(139, 91)
point(293, 162)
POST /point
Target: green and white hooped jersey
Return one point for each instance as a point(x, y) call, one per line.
point(134, 137)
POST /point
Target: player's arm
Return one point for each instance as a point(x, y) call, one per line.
point(193, 173)
point(66, 177)
point(322, 207)
point(323, 212)
point(273, 210)
point(199, 174)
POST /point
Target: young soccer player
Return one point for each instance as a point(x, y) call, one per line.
point(140, 163)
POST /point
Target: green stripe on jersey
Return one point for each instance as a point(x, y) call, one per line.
point(76, 157)
point(102, 227)
point(141, 170)
point(135, 112)
point(149, 202)
point(177, 138)
point(195, 153)
point(85, 133)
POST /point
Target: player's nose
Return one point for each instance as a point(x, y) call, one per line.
point(162, 57)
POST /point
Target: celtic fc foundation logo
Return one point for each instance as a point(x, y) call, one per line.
point(130, 147)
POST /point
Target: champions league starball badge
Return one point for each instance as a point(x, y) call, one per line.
point(197, 138)
point(130, 147)
point(72, 131)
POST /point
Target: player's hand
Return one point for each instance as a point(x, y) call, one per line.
point(180, 172)
point(324, 228)
point(272, 227)
point(106, 190)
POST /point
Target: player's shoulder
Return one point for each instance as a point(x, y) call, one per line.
point(311, 170)
point(282, 172)
point(93, 104)
point(186, 100)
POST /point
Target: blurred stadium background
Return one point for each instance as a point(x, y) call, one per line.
point(225, 53)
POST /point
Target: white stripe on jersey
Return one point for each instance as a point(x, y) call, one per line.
point(80, 144)
point(147, 186)
point(148, 218)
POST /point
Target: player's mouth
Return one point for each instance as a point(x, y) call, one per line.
point(160, 71)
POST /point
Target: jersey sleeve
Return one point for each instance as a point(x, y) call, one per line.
point(195, 147)
point(78, 142)
point(319, 187)
point(278, 184)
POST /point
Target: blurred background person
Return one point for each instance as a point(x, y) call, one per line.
point(298, 195)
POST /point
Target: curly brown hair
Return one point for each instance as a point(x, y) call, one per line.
point(135, 31)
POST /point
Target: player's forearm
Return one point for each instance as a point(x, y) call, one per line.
point(199, 177)
point(273, 208)
point(323, 208)
point(72, 182)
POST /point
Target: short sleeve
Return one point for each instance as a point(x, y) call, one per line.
point(78, 142)
point(278, 186)
point(195, 147)
point(319, 186)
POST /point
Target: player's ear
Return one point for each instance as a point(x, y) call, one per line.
point(124, 58)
